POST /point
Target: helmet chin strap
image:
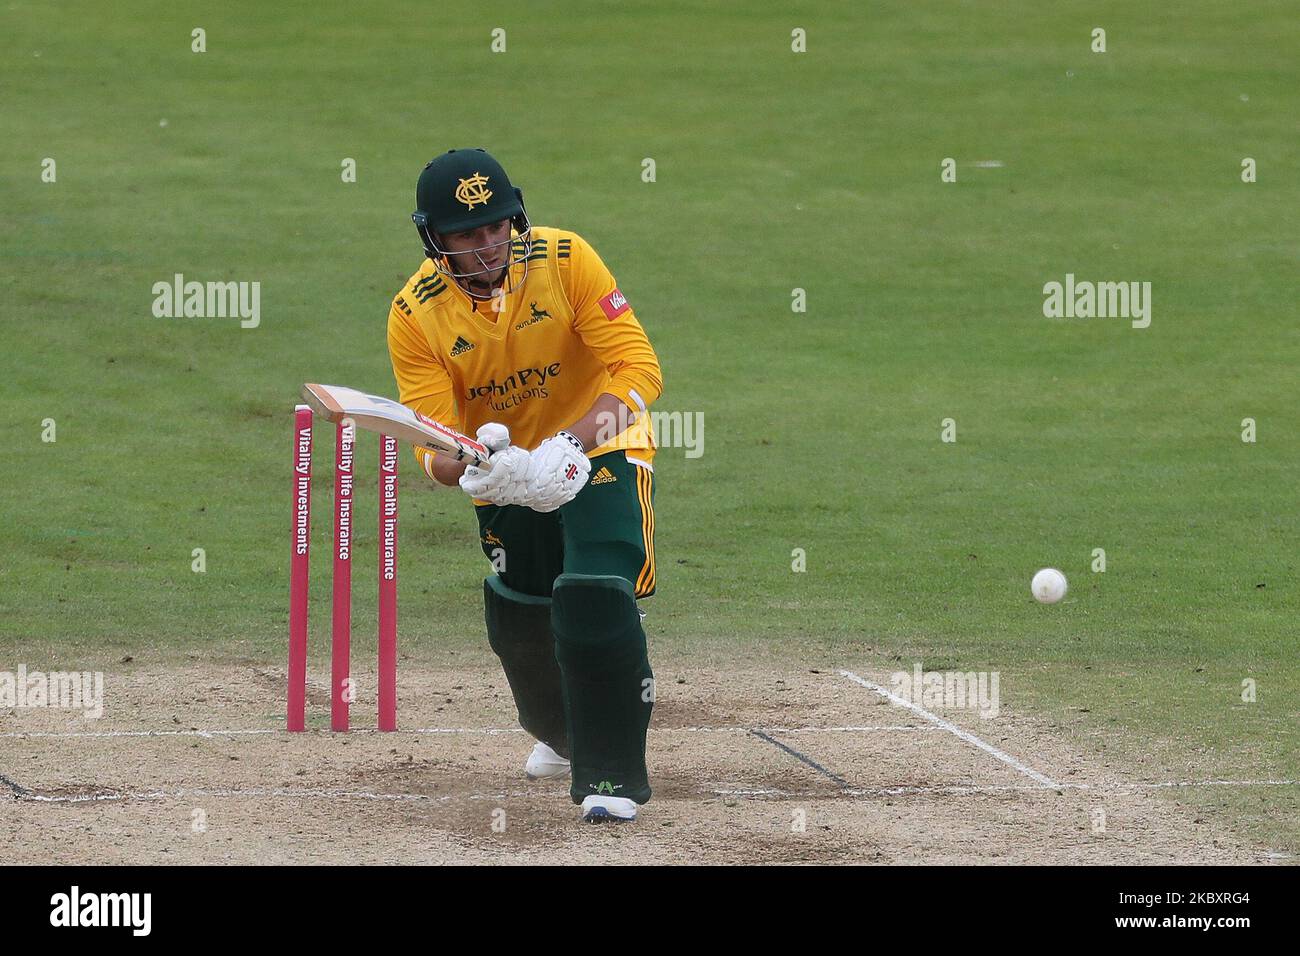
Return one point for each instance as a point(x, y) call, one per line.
point(480, 279)
point(470, 277)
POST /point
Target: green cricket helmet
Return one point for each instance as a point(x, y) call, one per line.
point(461, 190)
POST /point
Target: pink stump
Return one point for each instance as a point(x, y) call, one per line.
point(341, 649)
point(300, 546)
point(387, 583)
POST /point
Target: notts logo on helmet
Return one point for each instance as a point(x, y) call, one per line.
point(473, 191)
point(614, 305)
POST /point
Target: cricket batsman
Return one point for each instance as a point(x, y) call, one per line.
point(518, 334)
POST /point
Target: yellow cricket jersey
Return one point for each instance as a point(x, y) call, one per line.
point(534, 360)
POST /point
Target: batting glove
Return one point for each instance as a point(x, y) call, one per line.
point(559, 469)
point(505, 481)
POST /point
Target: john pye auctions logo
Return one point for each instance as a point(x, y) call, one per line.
point(521, 378)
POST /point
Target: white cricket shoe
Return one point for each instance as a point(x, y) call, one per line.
point(544, 763)
point(600, 809)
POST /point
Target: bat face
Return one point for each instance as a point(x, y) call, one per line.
point(378, 414)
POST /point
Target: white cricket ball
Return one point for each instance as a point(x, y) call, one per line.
point(1048, 586)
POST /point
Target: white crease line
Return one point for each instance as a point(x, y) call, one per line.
point(1001, 788)
point(836, 730)
point(791, 730)
point(71, 734)
point(36, 734)
point(1218, 783)
point(956, 789)
point(286, 792)
point(970, 738)
point(336, 794)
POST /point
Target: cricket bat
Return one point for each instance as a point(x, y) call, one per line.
point(376, 414)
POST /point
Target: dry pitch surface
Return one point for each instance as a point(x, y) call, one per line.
point(749, 766)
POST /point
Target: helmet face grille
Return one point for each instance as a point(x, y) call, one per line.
point(519, 245)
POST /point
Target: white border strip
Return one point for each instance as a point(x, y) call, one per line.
point(970, 738)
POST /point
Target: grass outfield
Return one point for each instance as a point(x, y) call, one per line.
point(822, 429)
